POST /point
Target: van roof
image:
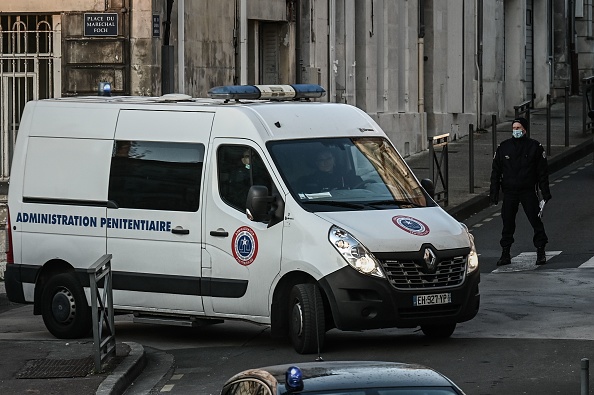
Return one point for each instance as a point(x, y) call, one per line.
point(283, 119)
point(170, 98)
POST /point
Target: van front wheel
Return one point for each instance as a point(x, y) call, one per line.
point(64, 307)
point(306, 318)
point(439, 331)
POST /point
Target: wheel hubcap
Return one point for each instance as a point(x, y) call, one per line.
point(63, 307)
point(297, 319)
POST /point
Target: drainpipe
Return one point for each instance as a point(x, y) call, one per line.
point(167, 65)
point(298, 62)
point(243, 42)
point(331, 51)
point(421, 59)
point(479, 61)
point(181, 60)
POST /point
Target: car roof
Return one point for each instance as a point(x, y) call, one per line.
point(348, 374)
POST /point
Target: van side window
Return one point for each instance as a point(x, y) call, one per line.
point(156, 175)
point(239, 168)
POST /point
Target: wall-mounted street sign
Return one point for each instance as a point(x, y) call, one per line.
point(156, 25)
point(101, 24)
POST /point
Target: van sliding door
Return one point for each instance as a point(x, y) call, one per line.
point(153, 218)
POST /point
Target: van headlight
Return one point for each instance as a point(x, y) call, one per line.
point(354, 252)
point(473, 261)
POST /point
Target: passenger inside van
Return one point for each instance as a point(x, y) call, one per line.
point(240, 167)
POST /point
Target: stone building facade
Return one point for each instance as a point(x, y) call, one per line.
point(420, 68)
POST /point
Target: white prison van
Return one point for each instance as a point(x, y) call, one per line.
point(296, 214)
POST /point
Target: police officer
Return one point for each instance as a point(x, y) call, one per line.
point(520, 169)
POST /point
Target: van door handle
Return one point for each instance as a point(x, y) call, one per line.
point(219, 233)
point(178, 230)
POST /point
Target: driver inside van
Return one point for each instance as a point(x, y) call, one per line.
point(328, 176)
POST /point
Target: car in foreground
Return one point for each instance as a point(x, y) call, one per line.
point(341, 378)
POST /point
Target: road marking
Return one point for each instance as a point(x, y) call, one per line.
point(167, 388)
point(589, 264)
point(177, 376)
point(573, 172)
point(477, 225)
point(523, 262)
point(564, 177)
point(487, 219)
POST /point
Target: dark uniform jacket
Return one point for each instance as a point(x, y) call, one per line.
point(520, 165)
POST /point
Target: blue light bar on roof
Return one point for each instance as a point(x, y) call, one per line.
point(267, 92)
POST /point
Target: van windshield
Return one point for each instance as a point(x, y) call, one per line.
point(347, 174)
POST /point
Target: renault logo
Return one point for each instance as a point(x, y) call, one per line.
point(430, 259)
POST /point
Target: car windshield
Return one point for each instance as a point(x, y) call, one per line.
point(347, 174)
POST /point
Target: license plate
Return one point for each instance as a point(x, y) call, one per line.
point(426, 300)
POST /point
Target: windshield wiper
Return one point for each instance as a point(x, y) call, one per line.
point(393, 202)
point(335, 204)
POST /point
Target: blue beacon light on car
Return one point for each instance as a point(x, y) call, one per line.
point(267, 92)
point(294, 379)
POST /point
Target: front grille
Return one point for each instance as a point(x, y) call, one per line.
point(411, 274)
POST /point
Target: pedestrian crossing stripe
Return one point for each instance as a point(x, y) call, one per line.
point(589, 264)
point(524, 262)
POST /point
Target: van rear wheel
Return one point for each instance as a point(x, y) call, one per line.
point(306, 318)
point(439, 331)
point(64, 307)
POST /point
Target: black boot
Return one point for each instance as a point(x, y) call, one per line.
point(505, 257)
point(541, 256)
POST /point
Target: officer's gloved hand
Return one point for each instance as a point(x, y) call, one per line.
point(494, 199)
point(547, 197)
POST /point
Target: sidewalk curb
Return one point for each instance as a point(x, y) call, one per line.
point(472, 206)
point(125, 373)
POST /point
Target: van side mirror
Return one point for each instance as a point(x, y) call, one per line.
point(257, 203)
point(428, 186)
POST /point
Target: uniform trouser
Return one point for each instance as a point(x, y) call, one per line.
point(529, 201)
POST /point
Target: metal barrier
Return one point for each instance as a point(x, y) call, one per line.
point(585, 376)
point(494, 133)
point(523, 110)
point(549, 104)
point(567, 116)
point(439, 166)
point(587, 100)
point(102, 310)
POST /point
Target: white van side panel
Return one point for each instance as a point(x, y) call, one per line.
point(294, 120)
point(75, 120)
point(151, 125)
point(80, 164)
point(81, 251)
point(244, 122)
point(15, 187)
point(65, 174)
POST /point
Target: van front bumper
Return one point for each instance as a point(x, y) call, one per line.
point(362, 302)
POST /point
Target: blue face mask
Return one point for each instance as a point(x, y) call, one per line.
point(517, 133)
